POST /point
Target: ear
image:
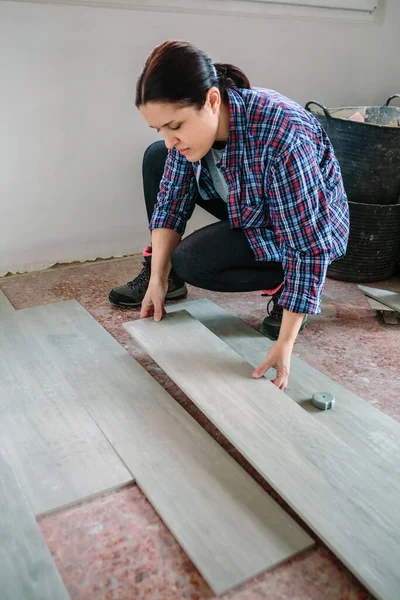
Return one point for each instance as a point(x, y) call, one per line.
point(213, 98)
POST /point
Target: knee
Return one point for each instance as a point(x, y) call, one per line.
point(155, 156)
point(177, 260)
point(182, 263)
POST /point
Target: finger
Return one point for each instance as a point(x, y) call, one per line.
point(147, 310)
point(158, 311)
point(261, 369)
point(280, 382)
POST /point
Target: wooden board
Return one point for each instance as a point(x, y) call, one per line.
point(27, 570)
point(350, 506)
point(6, 308)
point(59, 454)
point(391, 299)
point(228, 525)
point(367, 430)
point(378, 305)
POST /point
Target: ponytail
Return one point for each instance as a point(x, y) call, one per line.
point(230, 76)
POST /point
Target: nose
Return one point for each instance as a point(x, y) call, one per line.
point(170, 140)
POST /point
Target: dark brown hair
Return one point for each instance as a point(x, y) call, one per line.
point(178, 72)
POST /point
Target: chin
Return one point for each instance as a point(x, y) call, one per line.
point(196, 156)
point(193, 157)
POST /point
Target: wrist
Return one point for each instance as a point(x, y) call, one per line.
point(286, 341)
point(158, 278)
point(290, 327)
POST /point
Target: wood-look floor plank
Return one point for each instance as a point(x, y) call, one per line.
point(349, 505)
point(59, 454)
point(27, 570)
point(227, 524)
point(370, 432)
point(390, 299)
point(6, 308)
point(378, 305)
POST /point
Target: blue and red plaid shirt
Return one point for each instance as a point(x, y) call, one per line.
point(285, 191)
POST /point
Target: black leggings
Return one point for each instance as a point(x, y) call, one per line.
point(215, 257)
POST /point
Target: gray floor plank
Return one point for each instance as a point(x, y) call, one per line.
point(27, 570)
point(378, 305)
point(59, 454)
point(6, 308)
point(227, 524)
point(367, 430)
point(349, 505)
point(390, 299)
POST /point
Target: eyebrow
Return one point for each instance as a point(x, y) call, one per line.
point(165, 125)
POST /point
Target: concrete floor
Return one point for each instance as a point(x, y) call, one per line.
point(116, 547)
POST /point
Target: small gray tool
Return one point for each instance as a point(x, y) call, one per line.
point(323, 400)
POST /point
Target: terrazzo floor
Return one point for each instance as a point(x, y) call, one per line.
point(116, 547)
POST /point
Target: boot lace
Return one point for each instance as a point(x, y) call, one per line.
point(274, 310)
point(143, 277)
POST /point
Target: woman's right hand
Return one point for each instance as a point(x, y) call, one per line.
point(153, 302)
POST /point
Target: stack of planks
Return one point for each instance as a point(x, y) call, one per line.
point(386, 303)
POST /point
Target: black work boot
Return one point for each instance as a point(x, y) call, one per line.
point(131, 294)
point(271, 325)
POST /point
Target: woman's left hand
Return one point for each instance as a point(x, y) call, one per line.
point(278, 358)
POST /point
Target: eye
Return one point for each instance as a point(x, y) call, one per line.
point(176, 128)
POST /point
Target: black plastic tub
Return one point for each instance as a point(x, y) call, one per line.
point(373, 250)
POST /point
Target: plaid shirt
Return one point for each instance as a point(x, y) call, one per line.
point(285, 191)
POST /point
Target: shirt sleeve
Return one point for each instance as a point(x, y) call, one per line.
point(299, 211)
point(176, 199)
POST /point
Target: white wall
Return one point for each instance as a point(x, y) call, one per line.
point(71, 140)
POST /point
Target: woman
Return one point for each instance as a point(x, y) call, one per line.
point(259, 163)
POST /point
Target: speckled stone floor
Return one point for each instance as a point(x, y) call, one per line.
point(116, 547)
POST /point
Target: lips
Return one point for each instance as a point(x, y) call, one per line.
point(184, 150)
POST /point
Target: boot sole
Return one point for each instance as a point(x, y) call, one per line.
point(175, 295)
point(269, 334)
point(273, 333)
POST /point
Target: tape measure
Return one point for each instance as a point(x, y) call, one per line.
point(323, 400)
